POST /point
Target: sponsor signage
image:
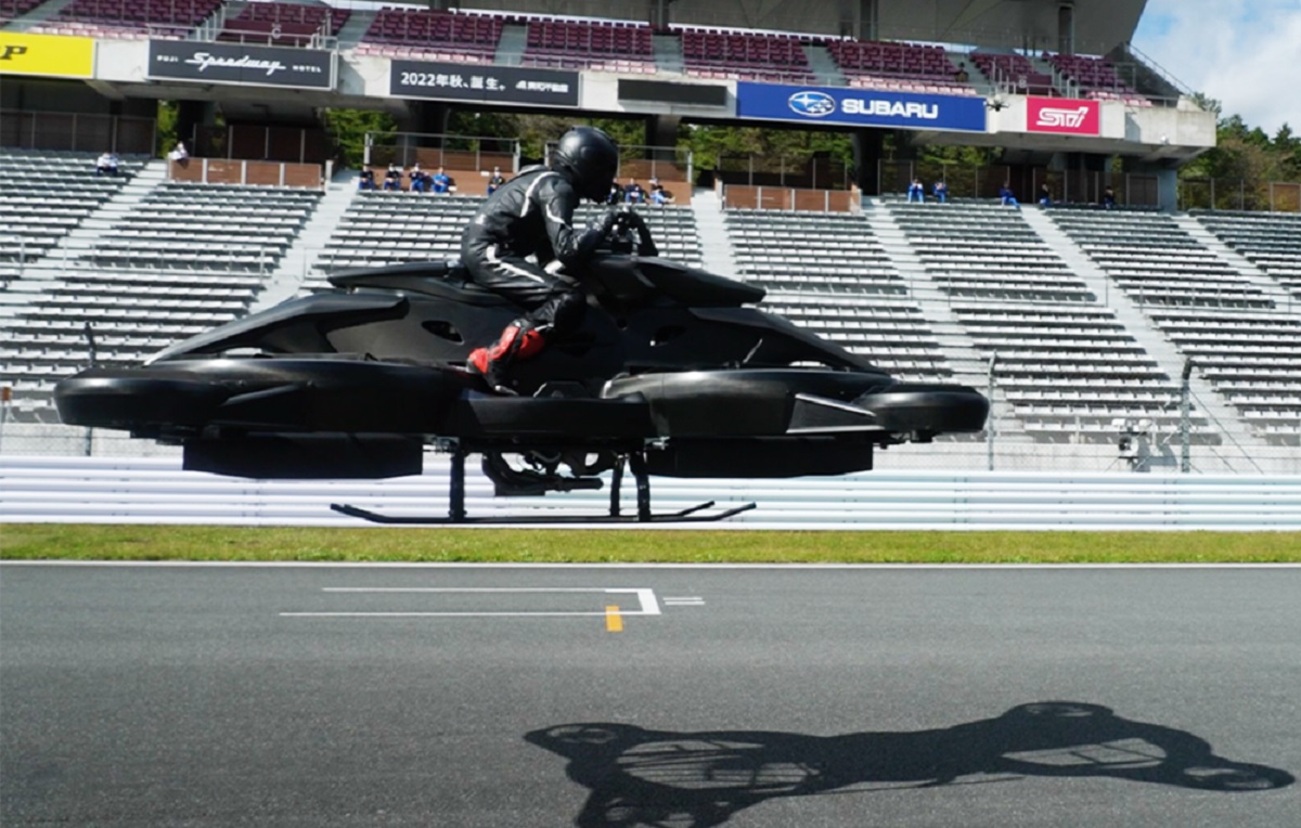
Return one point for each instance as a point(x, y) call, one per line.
point(859, 107)
point(1067, 116)
point(482, 82)
point(693, 94)
point(51, 56)
point(237, 63)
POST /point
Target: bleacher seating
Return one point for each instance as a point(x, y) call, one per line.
point(45, 194)
point(382, 228)
point(284, 24)
point(1066, 366)
point(1014, 72)
point(984, 251)
point(1271, 241)
point(744, 56)
point(907, 67)
point(828, 271)
point(435, 35)
point(1186, 288)
point(1071, 370)
point(206, 227)
point(1253, 359)
point(598, 45)
point(131, 18)
point(1156, 262)
point(1097, 78)
point(14, 9)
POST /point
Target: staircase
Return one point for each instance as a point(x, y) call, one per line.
point(295, 266)
point(959, 349)
point(510, 48)
point(824, 66)
point(668, 54)
point(716, 252)
point(99, 223)
point(1244, 267)
point(355, 28)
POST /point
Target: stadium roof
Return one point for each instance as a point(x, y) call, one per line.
point(1099, 25)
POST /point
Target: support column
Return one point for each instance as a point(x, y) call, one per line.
point(869, 147)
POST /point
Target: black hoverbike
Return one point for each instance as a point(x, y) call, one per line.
point(673, 373)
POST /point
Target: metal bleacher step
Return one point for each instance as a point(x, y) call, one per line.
point(510, 47)
point(717, 254)
point(95, 226)
point(294, 267)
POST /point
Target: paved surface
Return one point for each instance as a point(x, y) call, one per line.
point(755, 697)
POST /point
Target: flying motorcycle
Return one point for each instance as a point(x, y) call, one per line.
point(673, 373)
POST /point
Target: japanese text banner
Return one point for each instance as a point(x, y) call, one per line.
point(483, 82)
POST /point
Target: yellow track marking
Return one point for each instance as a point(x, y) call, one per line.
point(613, 620)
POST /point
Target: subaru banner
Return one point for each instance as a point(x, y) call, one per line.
point(238, 63)
point(859, 107)
point(487, 83)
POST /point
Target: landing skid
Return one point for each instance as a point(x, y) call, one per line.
point(456, 513)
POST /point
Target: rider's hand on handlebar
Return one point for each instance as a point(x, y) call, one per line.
point(609, 220)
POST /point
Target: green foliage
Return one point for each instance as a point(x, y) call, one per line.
point(349, 128)
point(165, 135)
point(143, 542)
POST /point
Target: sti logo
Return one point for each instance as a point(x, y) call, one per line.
point(1067, 117)
point(11, 51)
point(813, 104)
point(1050, 117)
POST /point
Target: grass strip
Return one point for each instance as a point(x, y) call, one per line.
point(209, 543)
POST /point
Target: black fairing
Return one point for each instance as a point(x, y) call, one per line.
point(646, 314)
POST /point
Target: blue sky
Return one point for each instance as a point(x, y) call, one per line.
point(1244, 53)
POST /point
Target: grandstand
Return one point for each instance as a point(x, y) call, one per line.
point(1079, 319)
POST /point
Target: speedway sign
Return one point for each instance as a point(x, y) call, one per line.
point(859, 107)
point(1066, 116)
point(238, 63)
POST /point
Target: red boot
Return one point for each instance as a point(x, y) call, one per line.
point(520, 340)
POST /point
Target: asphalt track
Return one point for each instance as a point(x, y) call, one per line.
point(628, 696)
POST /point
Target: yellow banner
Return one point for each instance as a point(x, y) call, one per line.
point(55, 56)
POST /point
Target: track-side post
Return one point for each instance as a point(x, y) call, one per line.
point(637, 464)
point(616, 478)
point(456, 487)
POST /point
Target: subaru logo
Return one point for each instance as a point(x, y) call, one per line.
point(812, 104)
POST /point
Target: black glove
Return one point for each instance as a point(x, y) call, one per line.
point(645, 244)
point(608, 221)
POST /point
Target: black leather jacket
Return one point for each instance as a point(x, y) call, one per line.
point(532, 214)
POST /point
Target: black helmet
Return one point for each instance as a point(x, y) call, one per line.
point(589, 159)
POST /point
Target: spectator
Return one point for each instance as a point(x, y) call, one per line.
point(417, 181)
point(1045, 196)
point(495, 180)
point(961, 75)
point(366, 181)
point(616, 194)
point(916, 192)
point(1108, 199)
point(107, 164)
point(179, 154)
point(633, 193)
point(941, 191)
point(393, 178)
point(440, 183)
point(659, 195)
point(1008, 197)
